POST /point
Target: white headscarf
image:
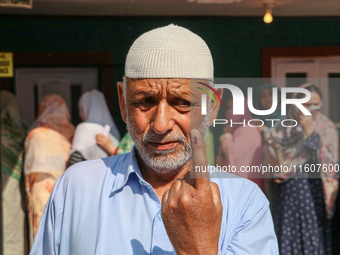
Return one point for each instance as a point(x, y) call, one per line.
point(94, 109)
point(84, 140)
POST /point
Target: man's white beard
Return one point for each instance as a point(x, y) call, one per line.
point(166, 161)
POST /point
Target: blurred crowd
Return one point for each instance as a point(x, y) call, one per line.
point(32, 159)
point(302, 202)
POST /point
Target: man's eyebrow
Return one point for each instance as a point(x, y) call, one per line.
point(190, 94)
point(178, 93)
point(138, 92)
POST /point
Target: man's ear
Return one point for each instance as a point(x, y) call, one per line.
point(122, 102)
point(213, 111)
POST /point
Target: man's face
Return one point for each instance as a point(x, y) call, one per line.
point(157, 113)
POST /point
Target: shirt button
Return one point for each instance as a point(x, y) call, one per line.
point(159, 217)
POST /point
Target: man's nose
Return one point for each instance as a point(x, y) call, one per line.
point(162, 119)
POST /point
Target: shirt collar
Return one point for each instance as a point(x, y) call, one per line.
point(125, 169)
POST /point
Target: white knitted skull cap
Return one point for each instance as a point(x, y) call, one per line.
point(169, 52)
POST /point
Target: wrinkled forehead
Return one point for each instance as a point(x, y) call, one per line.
point(148, 83)
point(163, 85)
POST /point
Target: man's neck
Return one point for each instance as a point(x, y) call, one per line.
point(160, 182)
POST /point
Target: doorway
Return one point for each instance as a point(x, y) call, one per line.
point(324, 72)
point(73, 61)
point(32, 84)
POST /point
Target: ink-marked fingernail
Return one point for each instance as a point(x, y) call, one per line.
point(195, 137)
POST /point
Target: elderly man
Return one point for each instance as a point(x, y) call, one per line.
point(145, 202)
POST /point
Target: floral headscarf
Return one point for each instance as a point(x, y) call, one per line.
point(295, 153)
point(53, 113)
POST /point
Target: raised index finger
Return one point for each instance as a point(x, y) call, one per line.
point(200, 162)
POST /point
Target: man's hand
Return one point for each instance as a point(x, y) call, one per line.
point(306, 122)
point(106, 144)
point(192, 208)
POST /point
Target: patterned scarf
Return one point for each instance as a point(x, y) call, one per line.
point(13, 135)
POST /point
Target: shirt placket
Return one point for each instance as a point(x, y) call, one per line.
point(160, 242)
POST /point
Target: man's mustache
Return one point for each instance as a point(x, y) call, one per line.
point(153, 137)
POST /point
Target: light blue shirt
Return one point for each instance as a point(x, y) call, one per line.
point(105, 207)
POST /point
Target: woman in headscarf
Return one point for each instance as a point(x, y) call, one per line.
point(304, 198)
point(265, 102)
point(241, 146)
point(97, 119)
point(13, 134)
point(47, 149)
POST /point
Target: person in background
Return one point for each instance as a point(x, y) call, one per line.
point(47, 148)
point(97, 119)
point(304, 205)
point(125, 145)
point(241, 145)
point(13, 134)
point(265, 101)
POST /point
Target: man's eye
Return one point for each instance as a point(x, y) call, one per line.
point(181, 103)
point(185, 102)
point(147, 101)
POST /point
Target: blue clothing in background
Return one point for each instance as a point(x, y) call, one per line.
point(300, 215)
point(105, 207)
